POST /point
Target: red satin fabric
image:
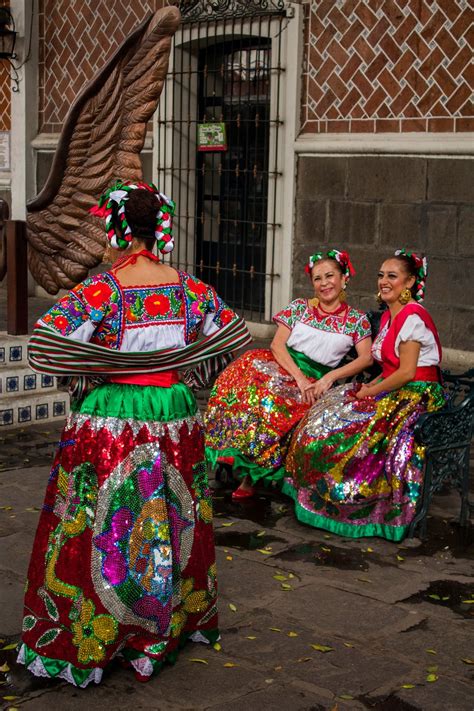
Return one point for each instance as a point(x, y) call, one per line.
point(428, 373)
point(161, 380)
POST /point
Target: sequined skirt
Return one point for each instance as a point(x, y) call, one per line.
point(253, 406)
point(354, 467)
point(123, 560)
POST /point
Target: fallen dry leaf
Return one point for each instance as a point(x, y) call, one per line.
point(322, 648)
point(199, 661)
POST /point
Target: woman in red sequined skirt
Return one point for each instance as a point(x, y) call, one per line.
point(123, 563)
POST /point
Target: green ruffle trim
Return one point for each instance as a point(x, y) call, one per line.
point(54, 667)
point(244, 467)
point(307, 366)
point(349, 530)
point(139, 402)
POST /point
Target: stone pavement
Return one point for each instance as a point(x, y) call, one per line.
point(309, 621)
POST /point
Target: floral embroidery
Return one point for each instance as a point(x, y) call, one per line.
point(61, 323)
point(354, 323)
point(226, 316)
point(197, 287)
point(97, 294)
point(101, 301)
point(157, 304)
point(92, 633)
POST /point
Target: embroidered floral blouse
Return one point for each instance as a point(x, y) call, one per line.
point(139, 318)
point(325, 338)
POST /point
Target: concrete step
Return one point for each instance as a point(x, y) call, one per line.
point(13, 350)
point(24, 408)
point(15, 380)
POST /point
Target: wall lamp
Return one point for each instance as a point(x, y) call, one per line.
point(7, 42)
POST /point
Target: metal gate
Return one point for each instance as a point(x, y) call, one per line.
point(219, 125)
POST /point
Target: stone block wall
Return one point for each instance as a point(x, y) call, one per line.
point(372, 205)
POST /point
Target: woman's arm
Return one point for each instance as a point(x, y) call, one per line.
point(283, 358)
point(409, 352)
point(363, 361)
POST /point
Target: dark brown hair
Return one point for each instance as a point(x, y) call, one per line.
point(141, 210)
point(410, 268)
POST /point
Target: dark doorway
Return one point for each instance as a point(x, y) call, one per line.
point(226, 70)
point(232, 195)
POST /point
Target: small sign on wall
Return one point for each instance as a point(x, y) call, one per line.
point(4, 151)
point(211, 137)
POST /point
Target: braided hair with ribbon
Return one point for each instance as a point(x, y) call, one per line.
point(112, 208)
point(418, 267)
point(342, 258)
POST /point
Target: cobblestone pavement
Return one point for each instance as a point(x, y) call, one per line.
point(309, 621)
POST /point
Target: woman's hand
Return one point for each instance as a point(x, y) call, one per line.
point(323, 385)
point(306, 389)
point(364, 391)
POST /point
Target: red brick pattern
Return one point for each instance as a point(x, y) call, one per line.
point(76, 38)
point(389, 65)
point(5, 96)
point(5, 115)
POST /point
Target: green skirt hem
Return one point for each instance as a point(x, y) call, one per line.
point(145, 403)
point(242, 466)
point(55, 667)
point(349, 530)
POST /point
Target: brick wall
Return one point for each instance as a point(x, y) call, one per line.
point(5, 119)
point(372, 205)
point(5, 115)
point(388, 65)
point(76, 39)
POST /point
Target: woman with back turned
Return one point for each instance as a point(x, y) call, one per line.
point(123, 563)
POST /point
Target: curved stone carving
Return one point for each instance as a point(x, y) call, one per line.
point(101, 140)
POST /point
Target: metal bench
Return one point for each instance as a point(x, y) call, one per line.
point(447, 435)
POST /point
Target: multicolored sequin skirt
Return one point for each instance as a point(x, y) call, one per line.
point(123, 562)
point(354, 467)
point(252, 408)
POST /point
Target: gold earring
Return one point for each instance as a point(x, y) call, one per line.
point(379, 298)
point(405, 296)
point(342, 296)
